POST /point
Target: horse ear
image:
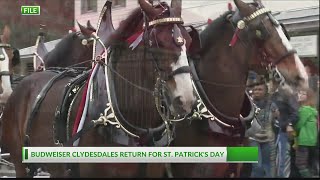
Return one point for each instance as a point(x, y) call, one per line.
point(89, 26)
point(177, 6)
point(5, 38)
point(195, 45)
point(84, 30)
point(147, 7)
point(244, 8)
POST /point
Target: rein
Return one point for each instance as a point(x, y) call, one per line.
point(109, 116)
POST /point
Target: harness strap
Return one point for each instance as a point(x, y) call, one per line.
point(76, 136)
point(61, 113)
point(230, 120)
point(35, 108)
point(5, 73)
point(39, 100)
point(180, 70)
point(293, 51)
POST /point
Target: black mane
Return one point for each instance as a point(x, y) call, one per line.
point(129, 25)
point(16, 57)
point(214, 31)
point(61, 50)
point(134, 22)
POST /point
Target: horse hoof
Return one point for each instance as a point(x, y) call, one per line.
point(67, 173)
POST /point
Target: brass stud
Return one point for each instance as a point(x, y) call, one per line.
point(241, 24)
point(180, 39)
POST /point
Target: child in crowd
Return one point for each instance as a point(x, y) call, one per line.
point(306, 130)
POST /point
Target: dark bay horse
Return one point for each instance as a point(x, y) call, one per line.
point(230, 44)
point(160, 55)
point(70, 51)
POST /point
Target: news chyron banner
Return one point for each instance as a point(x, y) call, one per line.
point(140, 154)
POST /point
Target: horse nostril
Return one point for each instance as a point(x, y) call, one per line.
point(177, 101)
point(298, 78)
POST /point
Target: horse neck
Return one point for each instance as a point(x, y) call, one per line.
point(69, 56)
point(222, 66)
point(137, 106)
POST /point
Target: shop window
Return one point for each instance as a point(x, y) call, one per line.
point(118, 3)
point(88, 6)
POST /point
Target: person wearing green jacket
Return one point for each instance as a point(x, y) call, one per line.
point(306, 130)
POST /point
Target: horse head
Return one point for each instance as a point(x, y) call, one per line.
point(255, 22)
point(168, 42)
point(72, 50)
point(7, 55)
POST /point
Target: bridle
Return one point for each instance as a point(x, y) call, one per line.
point(271, 65)
point(150, 30)
point(201, 110)
point(162, 76)
point(3, 56)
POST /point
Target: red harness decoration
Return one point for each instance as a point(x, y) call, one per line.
point(133, 37)
point(234, 38)
point(82, 104)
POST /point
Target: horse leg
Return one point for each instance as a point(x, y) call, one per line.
point(155, 170)
point(20, 170)
point(58, 171)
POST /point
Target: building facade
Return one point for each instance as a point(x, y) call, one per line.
point(56, 15)
point(301, 18)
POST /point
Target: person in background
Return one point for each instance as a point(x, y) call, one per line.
point(252, 76)
point(261, 132)
point(306, 129)
point(313, 79)
point(287, 103)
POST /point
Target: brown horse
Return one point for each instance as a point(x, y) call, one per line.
point(229, 46)
point(162, 52)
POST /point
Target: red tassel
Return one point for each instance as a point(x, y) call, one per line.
point(81, 107)
point(234, 38)
point(230, 7)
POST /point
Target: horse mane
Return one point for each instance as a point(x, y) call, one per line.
point(128, 26)
point(214, 30)
point(134, 23)
point(60, 51)
point(16, 57)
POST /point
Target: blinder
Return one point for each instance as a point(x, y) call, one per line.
point(261, 32)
